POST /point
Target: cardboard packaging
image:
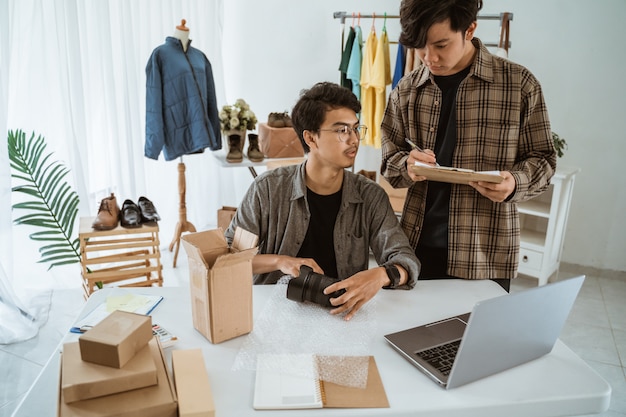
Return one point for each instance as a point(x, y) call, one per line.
point(82, 380)
point(224, 216)
point(116, 339)
point(220, 281)
point(396, 195)
point(279, 142)
point(155, 401)
point(192, 384)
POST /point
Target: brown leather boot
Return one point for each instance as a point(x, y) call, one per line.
point(287, 120)
point(108, 214)
point(234, 149)
point(254, 153)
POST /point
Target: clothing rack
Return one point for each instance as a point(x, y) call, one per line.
point(504, 18)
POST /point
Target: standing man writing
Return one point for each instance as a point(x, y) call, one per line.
point(321, 215)
point(469, 109)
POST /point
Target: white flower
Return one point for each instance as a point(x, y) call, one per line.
point(237, 116)
point(233, 122)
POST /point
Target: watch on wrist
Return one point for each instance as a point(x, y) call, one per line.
point(394, 276)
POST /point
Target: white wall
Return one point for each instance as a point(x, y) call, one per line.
point(274, 48)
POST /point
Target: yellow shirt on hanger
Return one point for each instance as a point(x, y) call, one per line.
point(381, 78)
point(368, 94)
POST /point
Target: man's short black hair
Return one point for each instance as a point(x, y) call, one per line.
point(310, 111)
point(417, 16)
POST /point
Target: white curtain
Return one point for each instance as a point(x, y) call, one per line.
point(73, 71)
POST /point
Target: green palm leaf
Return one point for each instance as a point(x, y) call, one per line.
point(52, 204)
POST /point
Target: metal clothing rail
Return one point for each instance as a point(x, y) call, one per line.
point(504, 18)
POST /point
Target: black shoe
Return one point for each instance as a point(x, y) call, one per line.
point(130, 215)
point(148, 212)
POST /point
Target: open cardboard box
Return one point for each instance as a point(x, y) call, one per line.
point(220, 281)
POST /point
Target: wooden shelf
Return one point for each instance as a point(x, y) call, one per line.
point(124, 257)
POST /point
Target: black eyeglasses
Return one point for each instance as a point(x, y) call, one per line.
point(344, 132)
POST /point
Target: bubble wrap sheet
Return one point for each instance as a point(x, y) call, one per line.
point(290, 329)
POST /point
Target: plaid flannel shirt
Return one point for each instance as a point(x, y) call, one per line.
point(502, 125)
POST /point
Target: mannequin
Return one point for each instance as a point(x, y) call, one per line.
point(183, 225)
point(182, 33)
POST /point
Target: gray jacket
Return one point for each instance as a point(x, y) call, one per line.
point(275, 208)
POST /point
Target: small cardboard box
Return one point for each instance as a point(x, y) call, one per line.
point(224, 216)
point(220, 281)
point(116, 339)
point(279, 142)
point(193, 388)
point(397, 196)
point(82, 380)
point(154, 401)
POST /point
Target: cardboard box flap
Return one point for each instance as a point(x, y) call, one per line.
point(205, 245)
point(235, 258)
point(244, 240)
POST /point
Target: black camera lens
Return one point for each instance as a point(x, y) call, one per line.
point(309, 286)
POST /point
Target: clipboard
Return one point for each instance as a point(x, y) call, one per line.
point(455, 175)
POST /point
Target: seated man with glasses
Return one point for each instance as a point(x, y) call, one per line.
point(326, 217)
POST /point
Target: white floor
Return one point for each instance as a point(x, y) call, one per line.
point(595, 330)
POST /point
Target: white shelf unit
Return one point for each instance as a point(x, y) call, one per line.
point(542, 222)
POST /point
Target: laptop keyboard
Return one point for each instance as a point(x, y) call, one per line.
point(441, 357)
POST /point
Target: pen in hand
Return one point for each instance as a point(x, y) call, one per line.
point(414, 146)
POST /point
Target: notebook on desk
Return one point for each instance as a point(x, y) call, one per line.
point(499, 334)
point(302, 389)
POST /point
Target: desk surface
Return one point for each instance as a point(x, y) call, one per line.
point(557, 384)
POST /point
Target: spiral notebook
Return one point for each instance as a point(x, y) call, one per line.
point(274, 390)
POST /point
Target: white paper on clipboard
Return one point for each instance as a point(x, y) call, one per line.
point(455, 175)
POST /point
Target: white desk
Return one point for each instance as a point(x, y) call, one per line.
point(558, 384)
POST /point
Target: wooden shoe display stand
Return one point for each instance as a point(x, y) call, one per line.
point(124, 257)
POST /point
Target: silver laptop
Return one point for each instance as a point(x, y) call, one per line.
point(500, 333)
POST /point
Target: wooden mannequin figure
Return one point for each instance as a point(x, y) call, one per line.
point(183, 225)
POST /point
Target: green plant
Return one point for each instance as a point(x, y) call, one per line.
point(51, 204)
point(559, 144)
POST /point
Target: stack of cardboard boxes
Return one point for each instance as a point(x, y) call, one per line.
point(116, 368)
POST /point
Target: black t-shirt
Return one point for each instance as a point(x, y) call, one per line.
point(319, 243)
point(435, 228)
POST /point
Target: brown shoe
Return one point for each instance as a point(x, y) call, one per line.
point(287, 120)
point(234, 148)
point(254, 153)
point(108, 214)
point(276, 120)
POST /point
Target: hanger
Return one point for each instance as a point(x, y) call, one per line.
point(373, 22)
point(352, 19)
point(385, 23)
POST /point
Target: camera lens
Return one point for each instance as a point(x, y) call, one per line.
point(309, 286)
